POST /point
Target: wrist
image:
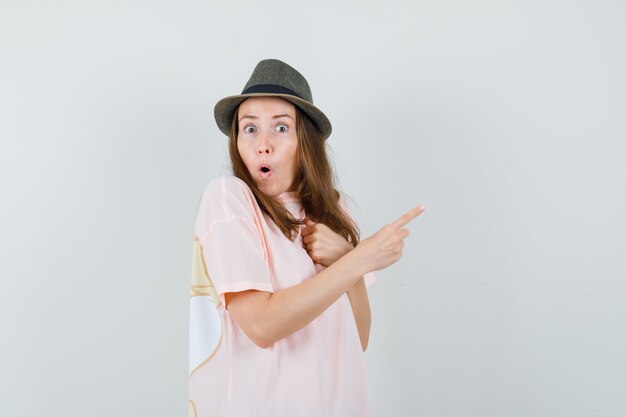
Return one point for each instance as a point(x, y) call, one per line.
point(357, 264)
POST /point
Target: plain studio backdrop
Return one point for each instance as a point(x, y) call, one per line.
point(505, 118)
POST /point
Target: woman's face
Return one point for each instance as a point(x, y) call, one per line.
point(267, 142)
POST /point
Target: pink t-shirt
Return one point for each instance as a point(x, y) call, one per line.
point(316, 371)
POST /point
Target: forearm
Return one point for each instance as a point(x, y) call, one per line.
point(359, 302)
point(289, 310)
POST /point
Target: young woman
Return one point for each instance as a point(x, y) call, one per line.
point(279, 271)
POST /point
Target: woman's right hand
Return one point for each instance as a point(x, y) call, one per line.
point(384, 247)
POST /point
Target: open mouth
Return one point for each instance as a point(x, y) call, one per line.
point(265, 171)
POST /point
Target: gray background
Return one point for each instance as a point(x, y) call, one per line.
point(505, 118)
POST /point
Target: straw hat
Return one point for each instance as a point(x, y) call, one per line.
point(272, 77)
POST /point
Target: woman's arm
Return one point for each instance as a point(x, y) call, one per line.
point(360, 304)
point(267, 317)
point(325, 245)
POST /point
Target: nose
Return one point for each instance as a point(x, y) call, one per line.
point(264, 145)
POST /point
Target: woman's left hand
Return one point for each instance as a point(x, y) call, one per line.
point(322, 243)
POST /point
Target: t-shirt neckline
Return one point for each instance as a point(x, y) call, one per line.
point(288, 197)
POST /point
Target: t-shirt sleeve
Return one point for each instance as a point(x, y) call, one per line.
point(233, 244)
point(369, 277)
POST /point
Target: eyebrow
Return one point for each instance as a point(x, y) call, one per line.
point(275, 117)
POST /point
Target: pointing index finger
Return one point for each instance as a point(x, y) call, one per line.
point(408, 216)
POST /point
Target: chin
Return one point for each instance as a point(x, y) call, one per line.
point(268, 190)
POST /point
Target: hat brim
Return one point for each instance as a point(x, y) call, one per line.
point(224, 109)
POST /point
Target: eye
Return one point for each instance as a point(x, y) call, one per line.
point(245, 129)
point(285, 126)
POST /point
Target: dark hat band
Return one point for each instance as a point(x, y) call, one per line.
point(270, 88)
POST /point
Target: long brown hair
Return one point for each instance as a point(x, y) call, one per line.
point(314, 183)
